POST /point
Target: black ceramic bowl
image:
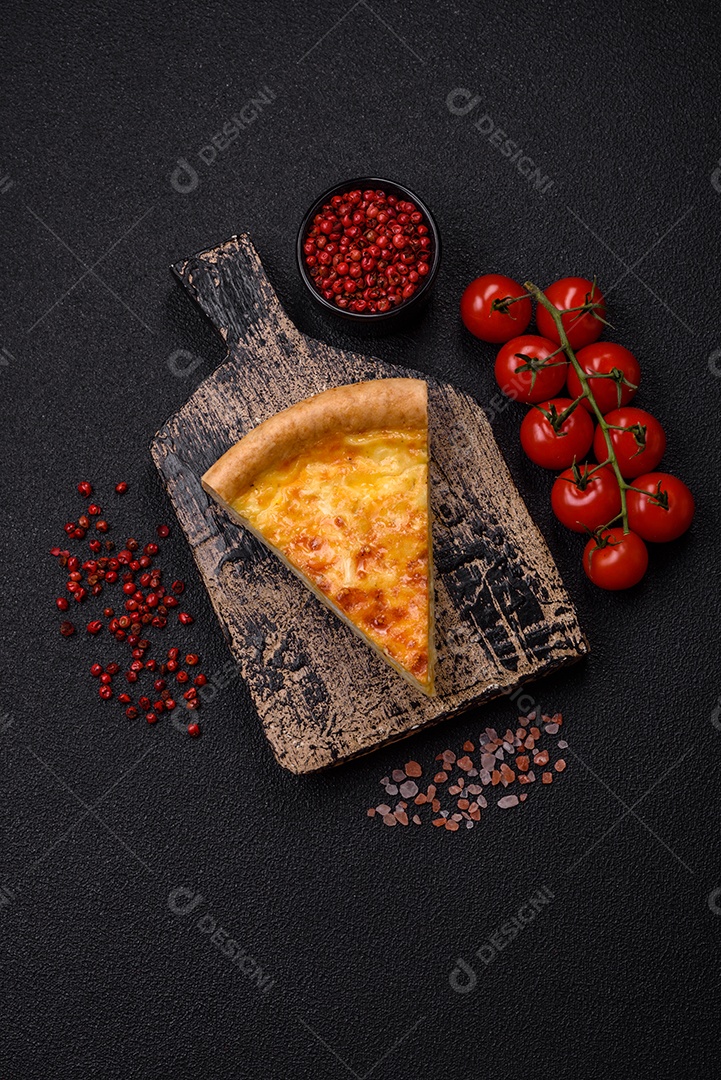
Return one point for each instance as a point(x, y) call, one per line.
point(409, 307)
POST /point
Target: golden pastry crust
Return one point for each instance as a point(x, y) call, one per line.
point(337, 488)
point(394, 404)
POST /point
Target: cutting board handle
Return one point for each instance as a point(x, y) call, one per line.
point(232, 288)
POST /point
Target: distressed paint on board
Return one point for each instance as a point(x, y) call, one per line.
point(502, 614)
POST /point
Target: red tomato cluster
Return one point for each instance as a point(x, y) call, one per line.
point(560, 429)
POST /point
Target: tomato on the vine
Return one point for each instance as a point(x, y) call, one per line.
point(615, 560)
point(586, 498)
point(552, 444)
point(665, 513)
point(582, 327)
point(522, 372)
point(639, 448)
point(486, 315)
point(615, 374)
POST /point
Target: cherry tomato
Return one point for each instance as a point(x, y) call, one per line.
point(660, 521)
point(586, 499)
point(639, 449)
point(582, 327)
point(606, 358)
point(551, 448)
point(499, 323)
point(615, 560)
point(521, 385)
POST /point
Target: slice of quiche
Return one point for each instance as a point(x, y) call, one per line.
point(337, 487)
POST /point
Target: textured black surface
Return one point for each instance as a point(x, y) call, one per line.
point(360, 926)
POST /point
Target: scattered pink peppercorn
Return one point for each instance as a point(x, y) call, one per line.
point(194, 730)
point(146, 602)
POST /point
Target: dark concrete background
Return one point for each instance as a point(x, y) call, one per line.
point(358, 926)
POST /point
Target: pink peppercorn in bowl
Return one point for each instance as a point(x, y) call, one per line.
point(369, 250)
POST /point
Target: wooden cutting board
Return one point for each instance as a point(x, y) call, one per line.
point(502, 614)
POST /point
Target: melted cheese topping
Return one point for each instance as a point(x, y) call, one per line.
point(351, 513)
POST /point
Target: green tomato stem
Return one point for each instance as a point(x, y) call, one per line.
point(555, 314)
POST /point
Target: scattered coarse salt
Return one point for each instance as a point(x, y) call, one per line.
point(502, 760)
